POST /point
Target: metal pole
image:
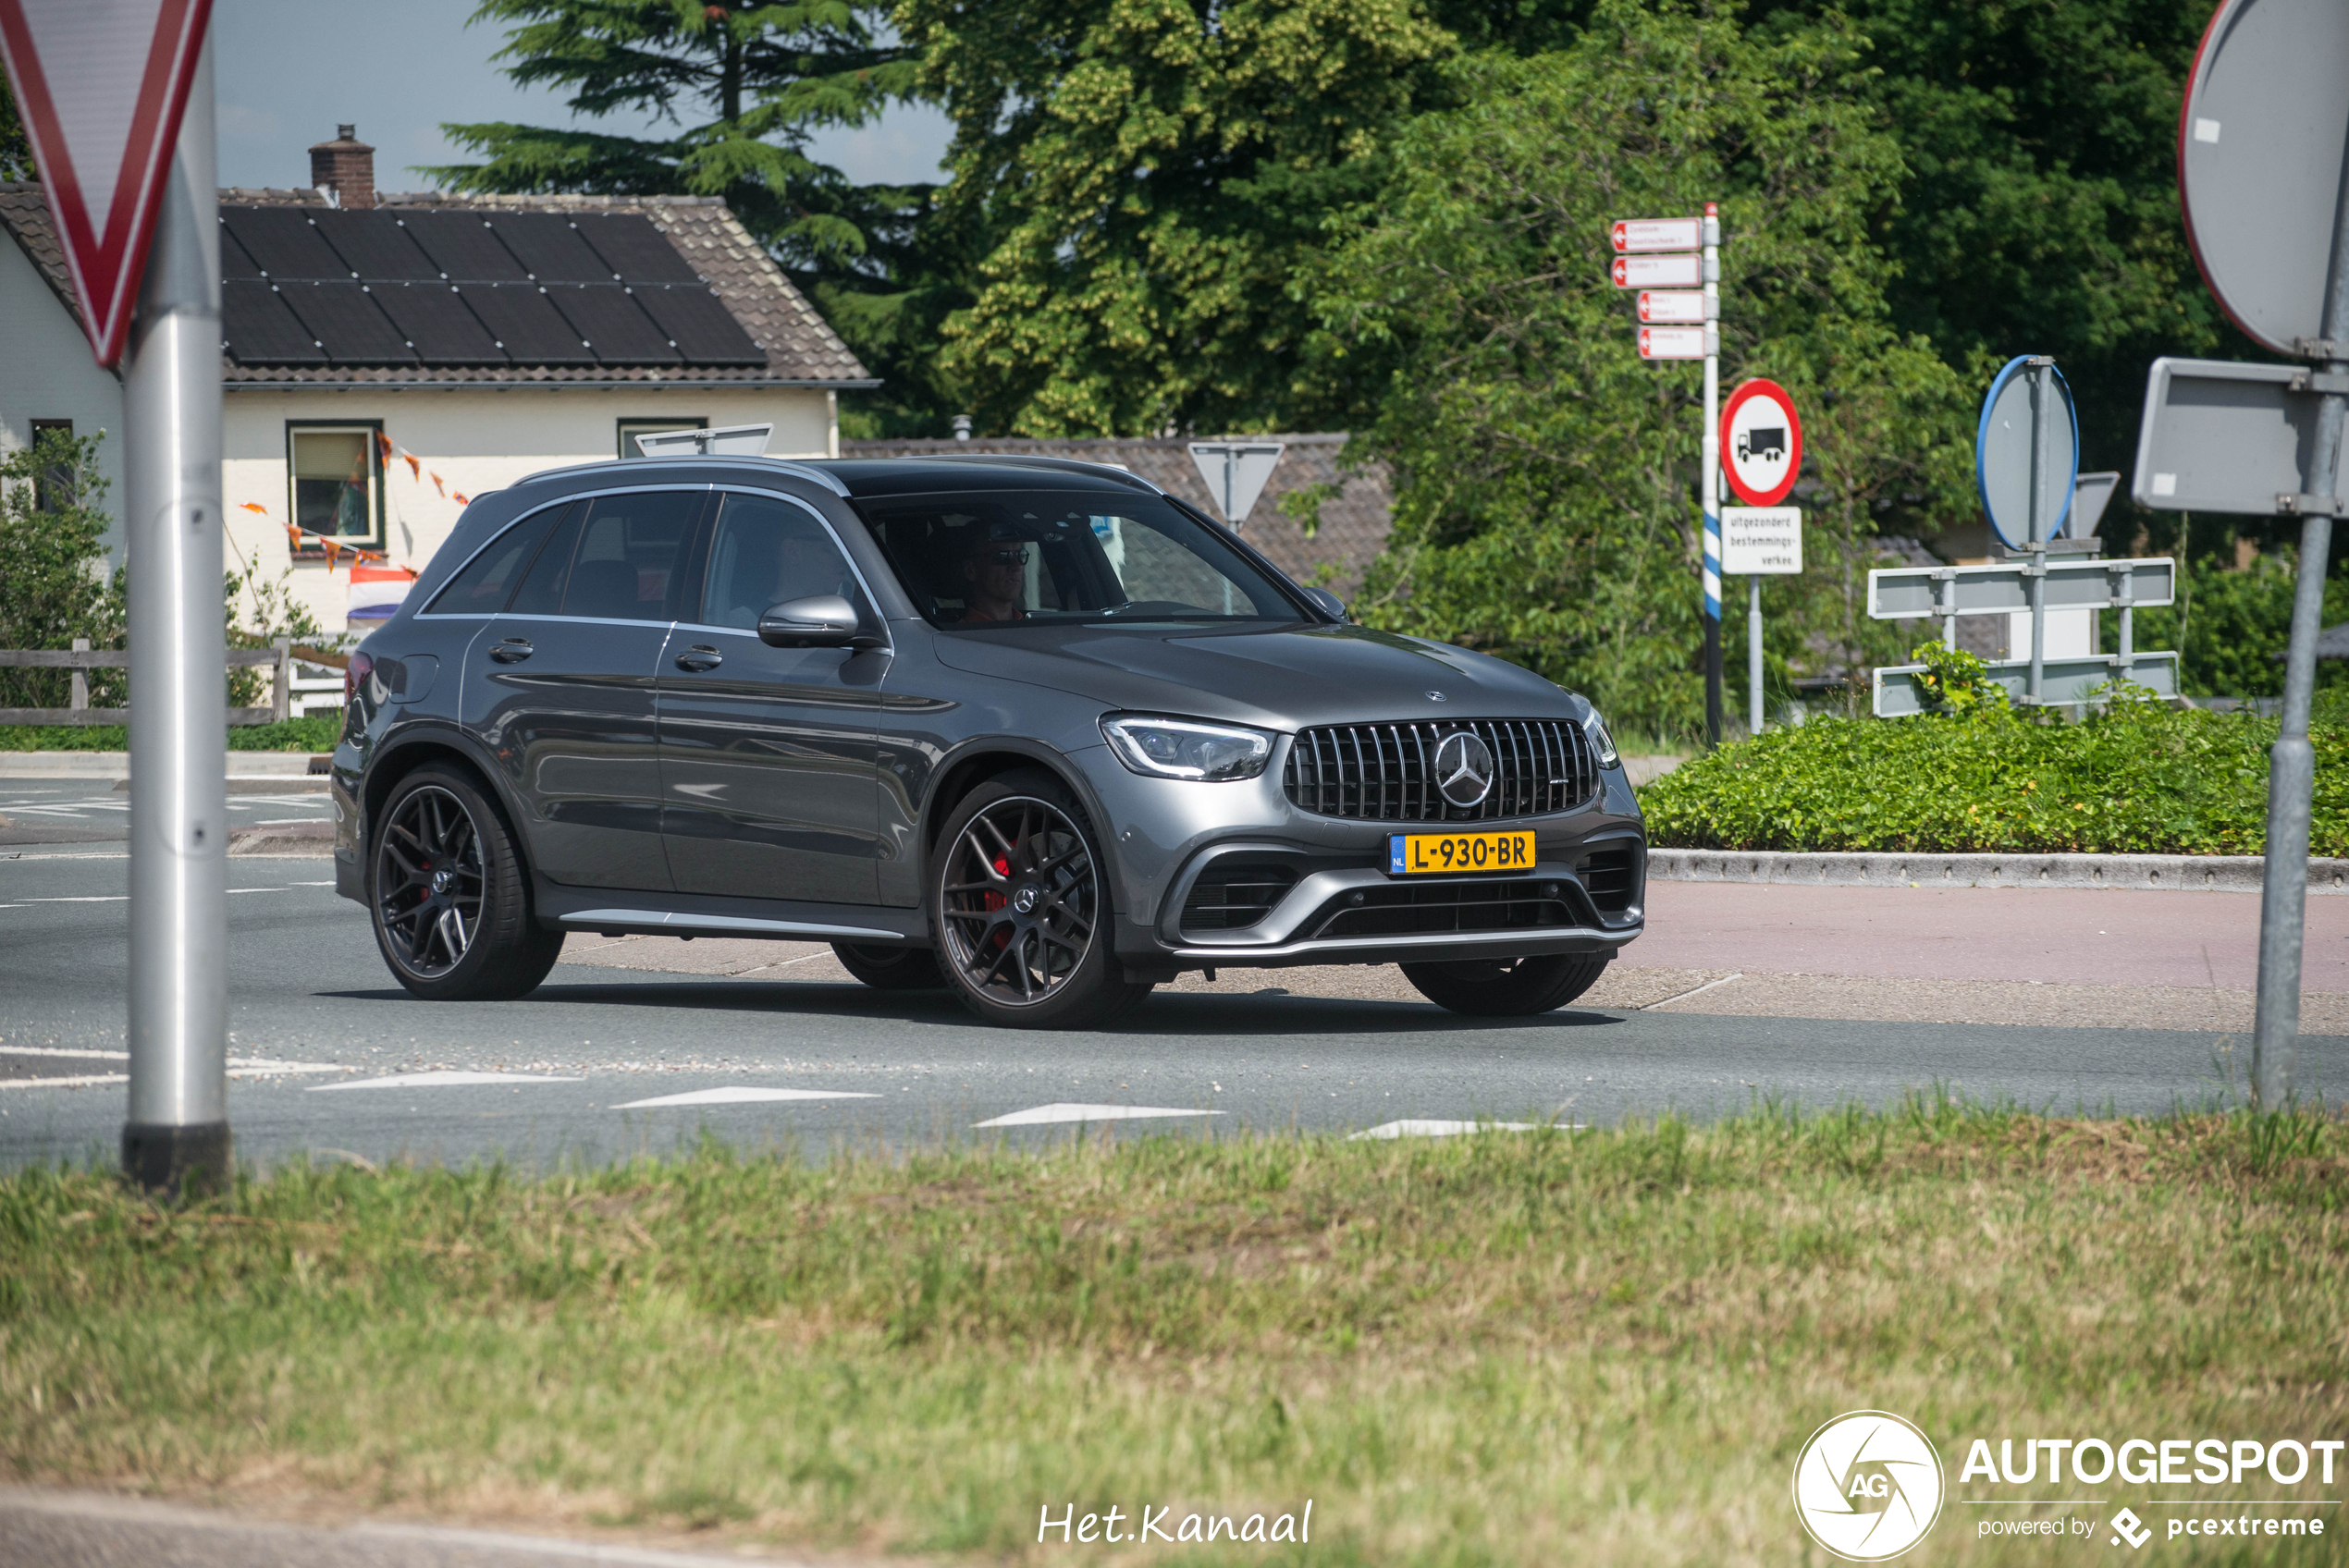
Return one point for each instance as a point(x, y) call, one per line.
point(178, 1130)
point(2291, 766)
point(1753, 651)
point(2042, 410)
point(1709, 473)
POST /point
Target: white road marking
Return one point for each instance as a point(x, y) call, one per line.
point(1419, 1128)
point(743, 1096)
point(81, 1082)
point(1044, 1115)
point(106, 898)
point(445, 1078)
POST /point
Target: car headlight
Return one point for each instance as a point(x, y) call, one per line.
point(1184, 747)
point(1601, 742)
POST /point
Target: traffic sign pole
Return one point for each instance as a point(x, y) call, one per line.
point(1709, 470)
point(2042, 417)
point(1753, 653)
point(2291, 766)
point(178, 1131)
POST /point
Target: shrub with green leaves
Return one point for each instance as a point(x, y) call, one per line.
point(2140, 778)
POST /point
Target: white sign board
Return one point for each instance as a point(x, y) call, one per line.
point(1656, 233)
point(1657, 272)
point(1235, 473)
point(1671, 305)
point(1671, 342)
point(1760, 541)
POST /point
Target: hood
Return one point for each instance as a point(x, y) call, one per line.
point(1288, 678)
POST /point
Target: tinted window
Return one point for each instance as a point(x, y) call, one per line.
point(764, 552)
point(482, 587)
point(991, 561)
point(615, 558)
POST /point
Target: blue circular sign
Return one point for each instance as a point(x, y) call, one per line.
point(2002, 444)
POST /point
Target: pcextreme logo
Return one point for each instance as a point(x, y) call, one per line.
point(1867, 1486)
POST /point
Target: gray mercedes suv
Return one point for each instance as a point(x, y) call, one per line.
point(1028, 729)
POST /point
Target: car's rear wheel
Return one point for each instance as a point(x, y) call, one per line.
point(449, 897)
point(1019, 910)
point(890, 968)
point(1508, 987)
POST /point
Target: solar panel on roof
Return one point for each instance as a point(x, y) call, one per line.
point(257, 329)
point(631, 247)
point(282, 243)
point(531, 330)
point(373, 245)
point(550, 247)
point(608, 320)
point(343, 316)
point(463, 248)
point(703, 328)
point(439, 324)
point(234, 261)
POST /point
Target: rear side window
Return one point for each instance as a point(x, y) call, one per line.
point(483, 586)
point(616, 558)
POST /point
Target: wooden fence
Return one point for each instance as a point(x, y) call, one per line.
point(280, 656)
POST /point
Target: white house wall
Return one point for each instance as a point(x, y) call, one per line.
point(477, 440)
point(46, 372)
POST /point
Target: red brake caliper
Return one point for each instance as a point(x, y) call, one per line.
point(994, 901)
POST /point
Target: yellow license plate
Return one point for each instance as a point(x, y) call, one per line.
point(1424, 855)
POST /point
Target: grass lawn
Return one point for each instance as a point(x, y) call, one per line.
point(1558, 1348)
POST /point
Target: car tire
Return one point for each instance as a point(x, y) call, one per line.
point(1046, 966)
point(890, 968)
point(448, 894)
point(1508, 987)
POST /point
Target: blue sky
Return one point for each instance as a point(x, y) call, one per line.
point(289, 71)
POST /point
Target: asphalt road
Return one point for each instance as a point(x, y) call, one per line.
point(97, 811)
point(331, 1058)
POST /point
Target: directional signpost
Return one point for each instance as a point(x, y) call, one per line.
point(116, 101)
point(1762, 453)
point(2261, 145)
point(1658, 256)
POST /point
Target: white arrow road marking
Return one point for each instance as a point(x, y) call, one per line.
point(1419, 1128)
point(238, 1067)
point(445, 1078)
point(1045, 1114)
point(744, 1095)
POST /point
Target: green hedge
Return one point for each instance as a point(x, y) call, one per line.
point(318, 732)
point(2143, 779)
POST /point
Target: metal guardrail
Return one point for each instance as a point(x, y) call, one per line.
point(82, 656)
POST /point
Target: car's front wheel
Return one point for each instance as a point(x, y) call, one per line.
point(449, 897)
point(1508, 987)
point(1019, 909)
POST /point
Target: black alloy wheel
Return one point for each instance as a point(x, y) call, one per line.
point(890, 968)
point(1508, 987)
point(1018, 914)
point(449, 894)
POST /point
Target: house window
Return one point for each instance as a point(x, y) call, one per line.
point(52, 487)
point(632, 428)
point(336, 477)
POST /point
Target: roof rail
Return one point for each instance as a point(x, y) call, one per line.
point(798, 469)
point(1066, 465)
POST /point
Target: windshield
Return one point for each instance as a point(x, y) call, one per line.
point(1000, 559)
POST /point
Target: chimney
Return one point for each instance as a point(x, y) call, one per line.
point(345, 168)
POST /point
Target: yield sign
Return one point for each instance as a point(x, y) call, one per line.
point(100, 85)
point(1235, 473)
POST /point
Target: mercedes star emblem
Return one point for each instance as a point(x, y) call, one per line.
point(1437, 697)
point(1463, 768)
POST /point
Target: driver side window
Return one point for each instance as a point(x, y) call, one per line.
point(764, 553)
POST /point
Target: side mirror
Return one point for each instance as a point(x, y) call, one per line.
point(1326, 601)
point(820, 621)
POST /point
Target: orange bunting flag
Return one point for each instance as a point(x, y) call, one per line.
point(438, 486)
point(462, 500)
point(415, 468)
point(384, 443)
point(256, 507)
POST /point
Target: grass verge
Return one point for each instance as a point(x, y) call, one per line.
point(1602, 1346)
point(316, 732)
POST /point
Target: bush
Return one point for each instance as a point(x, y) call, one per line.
point(2141, 779)
point(316, 733)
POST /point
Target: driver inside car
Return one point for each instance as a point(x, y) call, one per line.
point(996, 570)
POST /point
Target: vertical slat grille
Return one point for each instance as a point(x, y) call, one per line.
point(1387, 773)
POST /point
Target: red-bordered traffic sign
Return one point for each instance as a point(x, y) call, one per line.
point(1657, 272)
point(1761, 443)
point(1671, 342)
point(101, 88)
point(1660, 305)
point(1656, 234)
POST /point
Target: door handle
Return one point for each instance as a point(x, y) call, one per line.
point(513, 650)
point(699, 658)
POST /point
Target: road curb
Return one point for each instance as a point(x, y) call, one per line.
point(117, 765)
point(2229, 874)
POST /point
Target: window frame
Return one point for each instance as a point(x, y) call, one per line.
point(627, 428)
point(52, 488)
point(309, 548)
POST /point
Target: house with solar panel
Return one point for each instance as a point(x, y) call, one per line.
point(385, 358)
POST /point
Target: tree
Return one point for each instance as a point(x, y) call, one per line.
point(16, 152)
point(1149, 173)
point(1546, 504)
point(53, 586)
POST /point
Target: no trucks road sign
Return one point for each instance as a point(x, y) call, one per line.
point(1761, 443)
